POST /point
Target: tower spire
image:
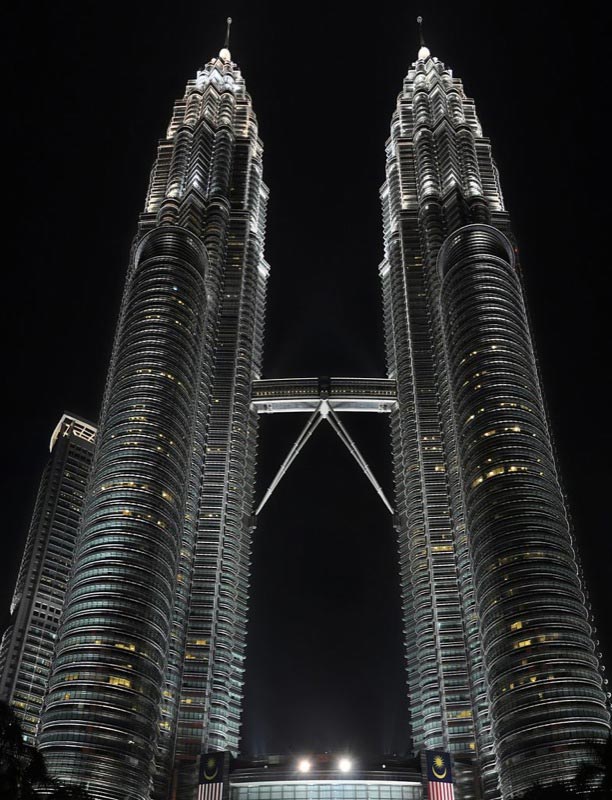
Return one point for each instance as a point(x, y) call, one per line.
point(224, 53)
point(420, 24)
point(423, 53)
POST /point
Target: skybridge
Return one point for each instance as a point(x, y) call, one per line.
point(323, 399)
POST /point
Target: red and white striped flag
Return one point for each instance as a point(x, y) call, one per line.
point(210, 791)
point(212, 773)
point(439, 776)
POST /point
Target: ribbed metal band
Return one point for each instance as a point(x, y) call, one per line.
point(547, 702)
point(102, 711)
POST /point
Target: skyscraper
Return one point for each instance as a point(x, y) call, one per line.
point(149, 664)
point(500, 656)
point(27, 644)
point(157, 601)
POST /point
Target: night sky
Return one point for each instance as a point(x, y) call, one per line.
point(88, 92)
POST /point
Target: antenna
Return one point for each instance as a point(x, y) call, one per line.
point(227, 33)
point(421, 37)
point(423, 49)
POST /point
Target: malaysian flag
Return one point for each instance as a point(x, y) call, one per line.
point(212, 774)
point(439, 776)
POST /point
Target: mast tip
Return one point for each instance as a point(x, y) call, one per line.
point(423, 53)
point(225, 54)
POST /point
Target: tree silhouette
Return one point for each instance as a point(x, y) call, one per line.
point(554, 791)
point(596, 776)
point(23, 774)
point(593, 780)
point(70, 793)
point(21, 767)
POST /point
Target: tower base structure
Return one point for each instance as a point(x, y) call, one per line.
point(328, 776)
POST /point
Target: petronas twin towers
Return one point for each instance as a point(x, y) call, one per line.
point(149, 660)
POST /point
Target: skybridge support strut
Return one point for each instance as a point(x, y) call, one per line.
point(321, 412)
point(313, 422)
point(345, 437)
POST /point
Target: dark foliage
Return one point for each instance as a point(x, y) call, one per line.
point(70, 793)
point(597, 773)
point(23, 774)
point(556, 791)
point(593, 780)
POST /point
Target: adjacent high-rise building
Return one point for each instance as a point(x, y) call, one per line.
point(28, 642)
point(149, 657)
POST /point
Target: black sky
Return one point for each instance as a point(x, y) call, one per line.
point(88, 92)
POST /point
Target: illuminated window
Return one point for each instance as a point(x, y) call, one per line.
point(116, 680)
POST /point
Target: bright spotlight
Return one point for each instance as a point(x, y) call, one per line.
point(304, 765)
point(344, 765)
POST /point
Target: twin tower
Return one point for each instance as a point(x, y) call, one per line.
point(149, 660)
